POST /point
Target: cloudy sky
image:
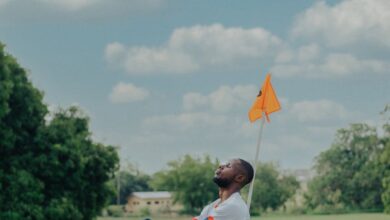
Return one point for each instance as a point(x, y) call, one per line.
point(164, 78)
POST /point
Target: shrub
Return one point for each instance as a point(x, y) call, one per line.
point(144, 211)
point(115, 211)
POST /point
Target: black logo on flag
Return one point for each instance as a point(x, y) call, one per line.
point(259, 93)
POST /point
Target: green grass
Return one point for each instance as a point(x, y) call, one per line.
point(361, 216)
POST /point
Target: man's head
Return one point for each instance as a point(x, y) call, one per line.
point(236, 172)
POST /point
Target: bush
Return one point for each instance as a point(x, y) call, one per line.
point(115, 211)
point(330, 209)
point(144, 211)
point(297, 211)
point(255, 212)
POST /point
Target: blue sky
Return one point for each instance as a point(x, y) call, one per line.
point(164, 78)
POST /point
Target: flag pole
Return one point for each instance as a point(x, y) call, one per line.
point(256, 160)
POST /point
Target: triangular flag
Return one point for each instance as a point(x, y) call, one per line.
point(266, 101)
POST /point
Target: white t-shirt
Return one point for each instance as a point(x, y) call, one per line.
point(234, 208)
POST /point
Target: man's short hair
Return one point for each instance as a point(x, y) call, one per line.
point(248, 169)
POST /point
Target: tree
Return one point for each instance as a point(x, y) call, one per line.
point(271, 189)
point(191, 181)
point(48, 170)
point(21, 115)
point(348, 174)
point(75, 170)
point(385, 158)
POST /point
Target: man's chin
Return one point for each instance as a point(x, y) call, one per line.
point(221, 182)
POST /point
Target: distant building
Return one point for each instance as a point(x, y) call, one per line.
point(155, 202)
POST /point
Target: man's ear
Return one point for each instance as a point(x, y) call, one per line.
point(240, 178)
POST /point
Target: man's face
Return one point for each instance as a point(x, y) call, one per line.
point(225, 174)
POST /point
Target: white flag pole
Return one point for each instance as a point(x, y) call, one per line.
point(256, 160)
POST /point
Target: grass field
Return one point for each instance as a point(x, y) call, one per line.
point(371, 216)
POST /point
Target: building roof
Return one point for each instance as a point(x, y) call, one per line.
point(152, 195)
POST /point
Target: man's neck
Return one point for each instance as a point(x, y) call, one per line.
point(225, 193)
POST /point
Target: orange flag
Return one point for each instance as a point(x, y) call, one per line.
point(266, 101)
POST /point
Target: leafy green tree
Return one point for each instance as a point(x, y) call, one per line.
point(62, 209)
point(349, 174)
point(48, 170)
point(271, 189)
point(191, 180)
point(21, 115)
point(385, 159)
point(79, 169)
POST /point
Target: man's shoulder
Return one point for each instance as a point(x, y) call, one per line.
point(233, 208)
point(236, 203)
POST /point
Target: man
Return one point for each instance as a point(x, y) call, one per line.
point(230, 178)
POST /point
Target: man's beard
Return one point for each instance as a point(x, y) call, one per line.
point(222, 183)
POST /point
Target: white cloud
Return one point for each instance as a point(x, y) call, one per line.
point(4, 2)
point(284, 102)
point(347, 23)
point(213, 113)
point(351, 33)
point(127, 92)
point(70, 4)
point(322, 130)
point(141, 60)
point(79, 5)
point(194, 48)
point(309, 63)
point(22, 12)
point(296, 142)
point(224, 99)
point(191, 48)
point(304, 53)
point(185, 121)
point(194, 100)
point(114, 52)
point(247, 129)
point(318, 110)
